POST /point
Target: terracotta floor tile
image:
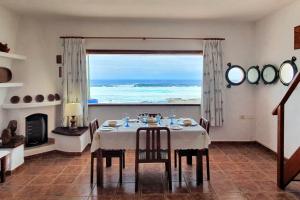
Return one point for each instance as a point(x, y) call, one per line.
point(57, 190)
point(126, 197)
point(108, 189)
point(202, 188)
point(238, 171)
point(152, 197)
point(178, 197)
point(232, 196)
point(205, 196)
point(72, 170)
point(64, 179)
point(79, 190)
point(257, 196)
point(43, 180)
point(102, 197)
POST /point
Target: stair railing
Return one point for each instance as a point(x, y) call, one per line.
point(284, 175)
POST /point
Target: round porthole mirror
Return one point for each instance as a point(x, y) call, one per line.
point(235, 75)
point(253, 75)
point(269, 74)
point(287, 71)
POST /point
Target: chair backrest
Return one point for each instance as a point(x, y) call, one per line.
point(153, 144)
point(94, 125)
point(205, 124)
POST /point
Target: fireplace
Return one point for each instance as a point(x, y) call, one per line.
point(36, 129)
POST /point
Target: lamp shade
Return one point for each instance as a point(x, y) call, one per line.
point(73, 109)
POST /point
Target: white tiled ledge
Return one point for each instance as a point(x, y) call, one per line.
point(10, 84)
point(30, 105)
point(12, 56)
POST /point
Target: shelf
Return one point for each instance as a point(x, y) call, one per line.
point(12, 56)
point(30, 105)
point(9, 84)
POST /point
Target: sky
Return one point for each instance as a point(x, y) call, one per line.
point(145, 67)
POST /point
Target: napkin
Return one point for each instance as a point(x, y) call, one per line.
point(151, 120)
point(112, 123)
point(187, 122)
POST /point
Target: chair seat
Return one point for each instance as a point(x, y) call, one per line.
point(188, 152)
point(163, 155)
point(110, 153)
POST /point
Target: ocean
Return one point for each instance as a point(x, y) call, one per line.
point(145, 91)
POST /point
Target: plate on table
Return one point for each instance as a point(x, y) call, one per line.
point(133, 120)
point(176, 127)
point(106, 129)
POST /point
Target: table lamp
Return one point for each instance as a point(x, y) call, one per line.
point(73, 110)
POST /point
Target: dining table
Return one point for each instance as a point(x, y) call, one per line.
point(123, 136)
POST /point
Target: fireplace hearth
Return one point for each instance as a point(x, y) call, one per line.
point(36, 129)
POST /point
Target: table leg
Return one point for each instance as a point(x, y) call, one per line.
point(108, 161)
point(199, 168)
point(3, 169)
point(99, 168)
point(189, 160)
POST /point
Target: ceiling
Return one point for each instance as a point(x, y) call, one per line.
point(237, 10)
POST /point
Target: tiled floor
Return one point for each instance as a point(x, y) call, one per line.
point(237, 172)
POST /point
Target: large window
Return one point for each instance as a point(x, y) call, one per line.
point(145, 78)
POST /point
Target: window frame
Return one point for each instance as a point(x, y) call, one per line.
point(119, 51)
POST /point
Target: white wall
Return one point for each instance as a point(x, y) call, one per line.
point(270, 40)
point(38, 39)
point(275, 43)
point(9, 25)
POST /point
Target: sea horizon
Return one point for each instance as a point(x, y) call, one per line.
point(145, 83)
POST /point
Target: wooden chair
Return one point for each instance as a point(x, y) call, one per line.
point(190, 152)
point(108, 154)
point(153, 152)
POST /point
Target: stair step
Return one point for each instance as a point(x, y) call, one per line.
point(297, 178)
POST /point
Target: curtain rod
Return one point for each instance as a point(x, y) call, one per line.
point(143, 38)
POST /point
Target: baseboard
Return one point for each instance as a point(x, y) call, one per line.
point(233, 142)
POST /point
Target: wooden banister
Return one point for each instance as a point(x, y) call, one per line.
point(293, 165)
point(286, 172)
point(287, 95)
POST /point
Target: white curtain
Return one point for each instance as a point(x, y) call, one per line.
point(75, 81)
point(213, 83)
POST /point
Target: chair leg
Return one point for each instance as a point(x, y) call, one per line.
point(199, 168)
point(189, 160)
point(136, 177)
point(108, 161)
point(92, 169)
point(207, 165)
point(179, 167)
point(120, 169)
point(123, 155)
point(175, 158)
point(99, 168)
point(170, 175)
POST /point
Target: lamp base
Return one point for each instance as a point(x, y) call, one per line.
point(73, 123)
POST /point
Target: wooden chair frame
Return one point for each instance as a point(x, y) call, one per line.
point(108, 154)
point(153, 151)
point(191, 152)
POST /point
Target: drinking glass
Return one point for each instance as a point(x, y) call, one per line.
point(126, 120)
point(158, 118)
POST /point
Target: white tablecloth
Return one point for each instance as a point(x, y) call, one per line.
point(191, 137)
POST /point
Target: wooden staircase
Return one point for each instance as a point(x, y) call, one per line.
point(288, 170)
